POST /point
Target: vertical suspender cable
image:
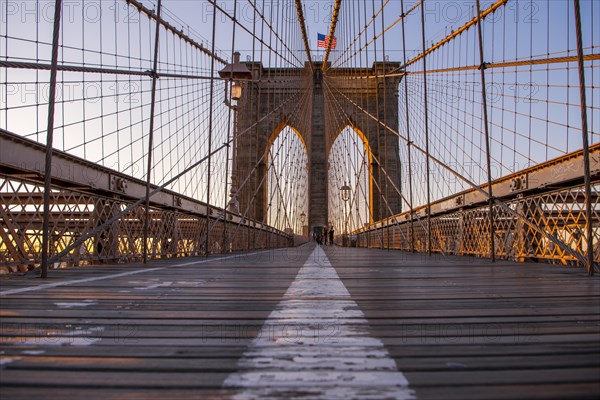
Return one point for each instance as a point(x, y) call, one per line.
point(426, 130)
point(385, 139)
point(210, 129)
point(380, 199)
point(49, 137)
point(409, 142)
point(230, 132)
point(487, 136)
point(151, 132)
point(586, 149)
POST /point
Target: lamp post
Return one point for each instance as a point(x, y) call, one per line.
point(234, 205)
point(345, 196)
point(235, 73)
point(302, 219)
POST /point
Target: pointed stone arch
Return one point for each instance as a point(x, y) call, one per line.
point(285, 123)
point(261, 124)
point(279, 129)
point(369, 154)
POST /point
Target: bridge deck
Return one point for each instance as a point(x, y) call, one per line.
point(282, 324)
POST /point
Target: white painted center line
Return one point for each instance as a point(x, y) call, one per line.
point(316, 345)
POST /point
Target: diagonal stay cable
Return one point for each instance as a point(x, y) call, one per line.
point(129, 208)
point(398, 191)
point(478, 188)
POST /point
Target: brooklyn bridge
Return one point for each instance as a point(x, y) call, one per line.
point(385, 199)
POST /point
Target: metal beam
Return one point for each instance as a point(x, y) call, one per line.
point(20, 156)
point(152, 15)
point(303, 30)
point(461, 30)
point(334, 18)
point(559, 173)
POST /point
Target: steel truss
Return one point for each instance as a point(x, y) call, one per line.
point(542, 217)
point(85, 196)
point(171, 233)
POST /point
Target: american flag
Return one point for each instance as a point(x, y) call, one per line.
point(323, 40)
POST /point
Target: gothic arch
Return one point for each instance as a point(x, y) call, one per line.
point(285, 123)
point(277, 131)
point(368, 152)
point(261, 124)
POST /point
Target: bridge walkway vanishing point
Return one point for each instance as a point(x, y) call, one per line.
point(164, 129)
point(308, 322)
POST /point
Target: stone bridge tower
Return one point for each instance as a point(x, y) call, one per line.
point(299, 98)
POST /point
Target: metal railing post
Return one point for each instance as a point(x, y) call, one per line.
point(151, 133)
point(409, 142)
point(210, 129)
point(49, 137)
point(427, 166)
point(589, 257)
point(487, 137)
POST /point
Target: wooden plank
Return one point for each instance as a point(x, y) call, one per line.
point(551, 391)
point(105, 393)
point(220, 363)
point(457, 327)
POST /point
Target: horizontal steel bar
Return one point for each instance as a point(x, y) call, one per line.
point(20, 156)
point(97, 70)
point(558, 173)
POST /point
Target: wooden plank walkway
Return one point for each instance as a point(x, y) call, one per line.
point(294, 323)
